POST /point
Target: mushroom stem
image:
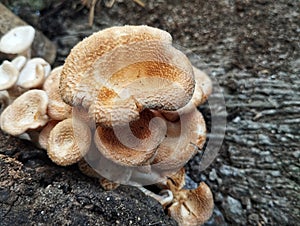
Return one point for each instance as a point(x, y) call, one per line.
point(164, 199)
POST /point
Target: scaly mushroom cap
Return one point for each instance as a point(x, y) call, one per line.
point(8, 75)
point(203, 88)
point(33, 73)
point(122, 70)
point(68, 142)
point(17, 40)
point(132, 145)
point(184, 138)
point(57, 108)
point(28, 111)
point(45, 133)
point(192, 207)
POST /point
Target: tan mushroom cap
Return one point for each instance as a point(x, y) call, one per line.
point(134, 66)
point(45, 133)
point(192, 207)
point(33, 73)
point(17, 40)
point(184, 138)
point(204, 83)
point(68, 142)
point(28, 111)
point(57, 108)
point(134, 145)
point(203, 88)
point(8, 75)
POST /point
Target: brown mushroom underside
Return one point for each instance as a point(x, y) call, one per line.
point(134, 145)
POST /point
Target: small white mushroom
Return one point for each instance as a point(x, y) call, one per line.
point(18, 40)
point(28, 111)
point(8, 75)
point(19, 62)
point(33, 73)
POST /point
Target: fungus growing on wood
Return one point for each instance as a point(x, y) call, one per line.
point(138, 95)
point(28, 111)
point(18, 40)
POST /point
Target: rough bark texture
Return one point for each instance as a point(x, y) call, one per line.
point(252, 49)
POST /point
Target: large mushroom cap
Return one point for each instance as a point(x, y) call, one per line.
point(184, 138)
point(134, 66)
point(8, 75)
point(17, 40)
point(132, 145)
point(28, 111)
point(68, 142)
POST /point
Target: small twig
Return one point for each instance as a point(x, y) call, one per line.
point(139, 2)
point(92, 12)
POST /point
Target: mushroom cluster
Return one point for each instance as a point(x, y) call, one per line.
point(123, 106)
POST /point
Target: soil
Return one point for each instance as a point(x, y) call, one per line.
point(250, 47)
